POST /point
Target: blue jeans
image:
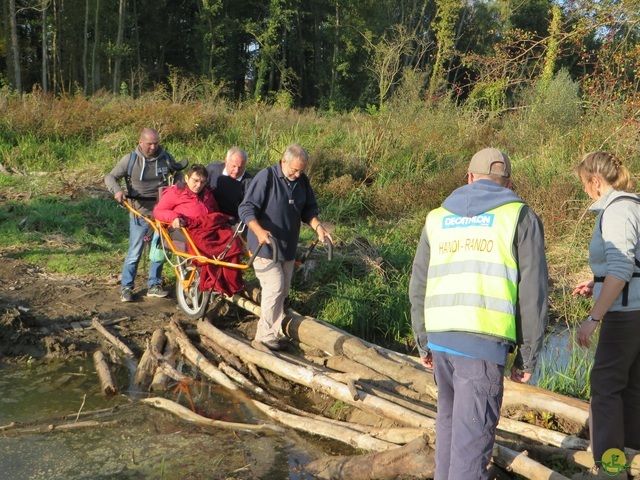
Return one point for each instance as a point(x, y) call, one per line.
point(138, 229)
point(469, 400)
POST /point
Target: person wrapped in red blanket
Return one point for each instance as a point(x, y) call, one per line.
point(191, 204)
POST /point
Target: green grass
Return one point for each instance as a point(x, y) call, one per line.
point(80, 237)
point(566, 371)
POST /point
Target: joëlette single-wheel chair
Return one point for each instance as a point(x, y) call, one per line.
point(192, 300)
point(187, 262)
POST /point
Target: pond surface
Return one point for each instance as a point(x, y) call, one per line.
point(136, 441)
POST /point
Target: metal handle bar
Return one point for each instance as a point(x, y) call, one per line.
point(274, 251)
point(329, 249)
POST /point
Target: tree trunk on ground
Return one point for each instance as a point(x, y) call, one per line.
point(160, 378)
point(341, 363)
point(415, 458)
point(224, 354)
point(313, 380)
point(319, 335)
point(318, 426)
point(147, 365)
point(523, 465)
point(107, 384)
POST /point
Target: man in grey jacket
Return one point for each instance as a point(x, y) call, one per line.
point(144, 171)
point(479, 288)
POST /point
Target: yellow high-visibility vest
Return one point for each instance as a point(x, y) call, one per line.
point(472, 282)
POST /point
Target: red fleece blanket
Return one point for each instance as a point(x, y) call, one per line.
point(211, 234)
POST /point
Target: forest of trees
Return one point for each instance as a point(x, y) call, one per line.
point(329, 54)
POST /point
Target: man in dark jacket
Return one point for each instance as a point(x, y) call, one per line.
point(144, 171)
point(478, 289)
point(278, 199)
point(230, 180)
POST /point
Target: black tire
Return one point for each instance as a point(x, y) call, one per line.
point(192, 301)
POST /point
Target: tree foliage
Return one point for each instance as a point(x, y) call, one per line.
point(335, 55)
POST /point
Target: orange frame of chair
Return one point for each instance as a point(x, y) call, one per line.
point(161, 229)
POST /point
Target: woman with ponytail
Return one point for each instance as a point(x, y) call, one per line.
point(614, 254)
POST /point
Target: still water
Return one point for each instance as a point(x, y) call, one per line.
point(135, 441)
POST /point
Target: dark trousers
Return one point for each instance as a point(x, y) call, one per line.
point(469, 399)
point(615, 385)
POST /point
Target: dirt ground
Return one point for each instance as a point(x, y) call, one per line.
point(38, 312)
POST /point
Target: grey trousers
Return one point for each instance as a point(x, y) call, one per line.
point(469, 399)
point(615, 385)
point(275, 280)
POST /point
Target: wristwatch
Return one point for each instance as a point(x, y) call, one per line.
point(591, 319)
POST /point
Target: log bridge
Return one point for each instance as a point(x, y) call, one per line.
point(391, 399)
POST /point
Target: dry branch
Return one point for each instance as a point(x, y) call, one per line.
point(196, 358)
point(192, 417)
point(112, 338)
point(225, 354)
point(57, 428)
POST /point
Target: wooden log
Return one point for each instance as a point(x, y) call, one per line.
point(160, 378)
point(317, 335)
point(329, 430)
point(245, 303)
point(314, 380)
point(341, 363)
point(88, 324)
point(425, 409)
point(256, 373)
point(415, 459)
point(580, 458)
point(174, 374)
point(224, 354)
point(521, 464)
point(192, 417)
point(349, 380)
point(107, 384)
point(397, 435)
point(542, 400)
point(335, 342)
point(198, 360)
point(147, 366)
point(540, 434)
point(112, 338)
